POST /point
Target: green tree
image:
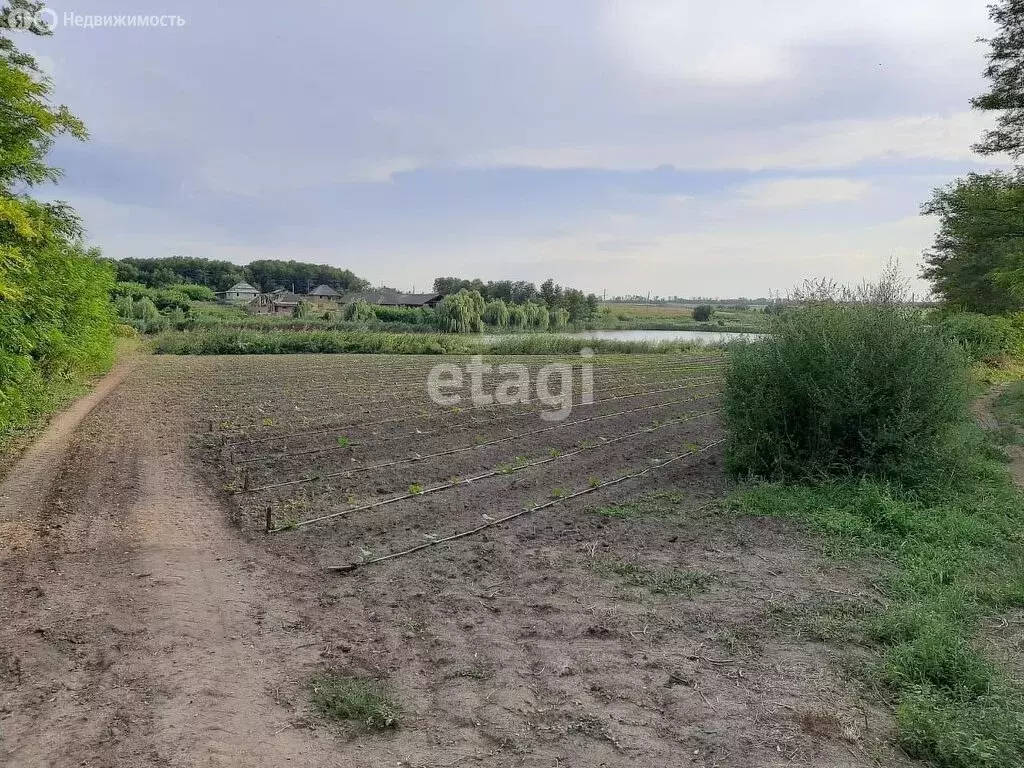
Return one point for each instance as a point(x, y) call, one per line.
point(977, 261)
point(560, 318)
point(358, 311)
point(462, 312)
point(496, 313)
point(517, 317)
point(1006, 90)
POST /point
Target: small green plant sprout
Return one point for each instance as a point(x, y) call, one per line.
point(369, 702)
point(594, 482)
point(521, 461)
point(288, 524)
point(343, 441)
point(268, 422)
point(506, 469)
point(430, 536)
point(456, 410)
point(559, 493)
point(690, 446)
point(415, 489)
point(366, 553)
point(478, 439)
point(554, 453)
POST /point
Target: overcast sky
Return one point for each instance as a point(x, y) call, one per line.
point(674, 146)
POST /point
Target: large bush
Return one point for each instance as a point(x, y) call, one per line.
point(840, 388)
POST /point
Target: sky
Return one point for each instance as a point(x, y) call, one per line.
point(677, 147)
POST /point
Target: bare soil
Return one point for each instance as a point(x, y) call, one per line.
point(147, 620)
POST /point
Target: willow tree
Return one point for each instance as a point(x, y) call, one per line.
point(358, 311)
point(496, 314)
point(462, 312)
point(517, 317)
point(56, 318)
point(560, 318)
point(537, 315)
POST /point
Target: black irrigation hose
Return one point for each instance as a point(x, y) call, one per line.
point(349, 568)
point(462, 449)
point(484, 476)
point(438, 414)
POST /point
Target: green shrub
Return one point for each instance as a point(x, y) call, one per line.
point(842, 388)
point(703, 313)
point(196, 292)
point(405, 315)
point(982, 337)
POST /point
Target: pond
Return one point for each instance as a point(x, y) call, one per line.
point(706, 337)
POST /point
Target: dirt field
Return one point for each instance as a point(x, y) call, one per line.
point(148, 619)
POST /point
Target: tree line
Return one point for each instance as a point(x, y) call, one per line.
point(56, 319)
point(265, 274)
point(579, 307)
point(977, 260)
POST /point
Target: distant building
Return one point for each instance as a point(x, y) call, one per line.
point(276, 303)
point(239, 292)
point(325, 292)
point(389, 298)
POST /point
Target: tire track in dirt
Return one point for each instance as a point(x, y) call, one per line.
point(30, 478)
point(131, 616)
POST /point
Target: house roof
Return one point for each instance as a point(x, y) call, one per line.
point(418, 299)
point(242, 287)
point(324, 290)
point(286, 297)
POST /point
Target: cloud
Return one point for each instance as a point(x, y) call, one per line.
point(668, 144)
point(794, 193)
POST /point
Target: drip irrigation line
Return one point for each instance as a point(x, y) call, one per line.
point(350, 567)
point(465, 448)
point(438, 414)
point(492, 473)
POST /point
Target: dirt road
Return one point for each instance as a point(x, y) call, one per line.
point(126, 632)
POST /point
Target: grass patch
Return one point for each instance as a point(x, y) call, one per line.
point(655, 506)
point(368, 702)
point(657, 581)
point(955, 553)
